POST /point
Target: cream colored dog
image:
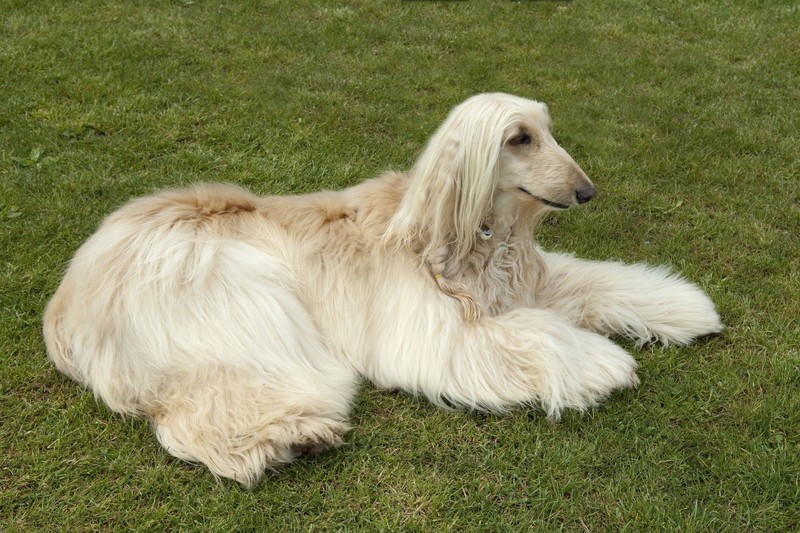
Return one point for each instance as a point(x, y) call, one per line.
point(240, 325)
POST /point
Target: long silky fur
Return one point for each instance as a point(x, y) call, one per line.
point(241, 325)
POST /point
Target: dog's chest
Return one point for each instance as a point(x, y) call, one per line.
point(502, 275)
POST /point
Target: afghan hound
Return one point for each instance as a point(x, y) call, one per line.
point(240, 326)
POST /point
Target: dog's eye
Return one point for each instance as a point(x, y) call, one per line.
point(522, 138)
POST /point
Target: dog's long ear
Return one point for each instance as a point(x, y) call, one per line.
point(453, 181)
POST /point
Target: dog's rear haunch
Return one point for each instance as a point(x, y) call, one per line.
point(239, 325)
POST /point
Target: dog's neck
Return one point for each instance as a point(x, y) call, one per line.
point(502, 269)
point(509, 220)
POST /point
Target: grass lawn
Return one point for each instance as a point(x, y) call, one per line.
point(685, 114)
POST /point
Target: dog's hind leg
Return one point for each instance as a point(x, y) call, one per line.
point(637, 301)
point(257, 388)
point(238, 426)
point(208, 338)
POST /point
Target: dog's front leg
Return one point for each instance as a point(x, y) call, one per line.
point(526, 356)
point(639, 302)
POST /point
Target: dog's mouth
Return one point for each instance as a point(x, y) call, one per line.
point(545, 201)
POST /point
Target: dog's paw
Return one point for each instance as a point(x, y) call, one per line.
point(595, 368)
point(606, 367)
point(688, 314)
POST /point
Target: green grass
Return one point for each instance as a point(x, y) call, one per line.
point(684, 113)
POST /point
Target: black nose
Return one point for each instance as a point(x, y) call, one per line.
point(585, 194)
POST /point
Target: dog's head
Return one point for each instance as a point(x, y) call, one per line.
point(494, 152)
point(532, 166)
